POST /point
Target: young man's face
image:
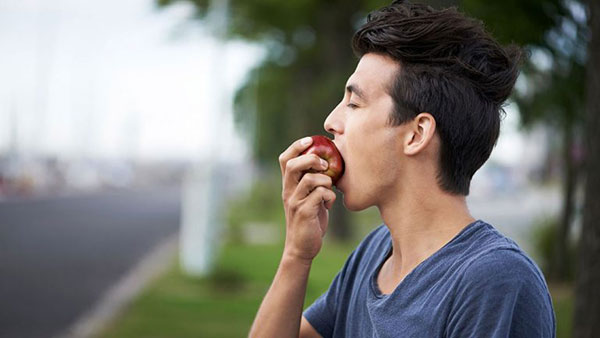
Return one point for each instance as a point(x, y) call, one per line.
point(370, 147)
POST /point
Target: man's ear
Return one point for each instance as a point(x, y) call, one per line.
point(421, 131)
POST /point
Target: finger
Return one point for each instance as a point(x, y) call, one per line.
point(320, 195)
point(310, 182)
point(331, 199)
point(293, 151)
point(298, 166)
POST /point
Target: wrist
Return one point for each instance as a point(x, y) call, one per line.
point(290, 257)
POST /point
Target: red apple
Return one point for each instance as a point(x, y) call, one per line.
point(323, 147)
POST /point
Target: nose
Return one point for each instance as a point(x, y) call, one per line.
point(333, 123)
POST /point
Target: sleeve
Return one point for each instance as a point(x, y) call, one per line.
point(502, 294)
point(322, 313)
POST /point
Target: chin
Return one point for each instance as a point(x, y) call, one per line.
point(353, 199)
point(354, 205)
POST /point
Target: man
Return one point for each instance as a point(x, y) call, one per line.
point(420, 115)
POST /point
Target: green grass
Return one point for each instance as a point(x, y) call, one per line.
point(562, 299)
point(224, 304)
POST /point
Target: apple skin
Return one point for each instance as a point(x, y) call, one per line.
point(323, 147)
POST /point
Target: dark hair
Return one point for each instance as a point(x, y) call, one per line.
point(451, 68)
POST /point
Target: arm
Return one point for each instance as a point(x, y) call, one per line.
point(281, 310)
point(306, 198)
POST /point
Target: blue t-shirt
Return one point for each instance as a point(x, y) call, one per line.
point(480, 284)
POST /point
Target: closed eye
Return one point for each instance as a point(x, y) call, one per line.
point(351, 106)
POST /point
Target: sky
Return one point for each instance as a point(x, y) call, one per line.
point(116, 79)
point(120, 79)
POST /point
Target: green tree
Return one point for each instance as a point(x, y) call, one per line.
point(587, 293)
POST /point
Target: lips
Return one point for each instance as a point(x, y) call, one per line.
point(341, 151)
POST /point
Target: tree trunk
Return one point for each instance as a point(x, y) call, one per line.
point(587, 293)
point(560, 261)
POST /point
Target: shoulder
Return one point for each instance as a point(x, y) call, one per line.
point(495, 257)
point(483, 252)
point(502, 264)
point(499, 259)
point(506, 272)
point(501, 291)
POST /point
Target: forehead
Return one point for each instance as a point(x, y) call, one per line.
point(374, 73)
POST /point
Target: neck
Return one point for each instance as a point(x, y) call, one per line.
point(420, 223)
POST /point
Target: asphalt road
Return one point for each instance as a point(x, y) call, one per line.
point(58, 256)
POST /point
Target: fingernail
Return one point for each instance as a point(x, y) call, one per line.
point(305, 141)
point(324, 163)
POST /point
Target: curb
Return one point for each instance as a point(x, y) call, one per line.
point(121, 294)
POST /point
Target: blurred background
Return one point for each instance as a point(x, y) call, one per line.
point(140, 192)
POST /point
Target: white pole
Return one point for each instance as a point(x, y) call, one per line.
point(203, 194)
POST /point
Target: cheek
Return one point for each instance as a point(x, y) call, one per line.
point(388, 159)
point(359, 138)
point(374, 165)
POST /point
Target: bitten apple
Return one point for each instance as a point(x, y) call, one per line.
point(323, 147)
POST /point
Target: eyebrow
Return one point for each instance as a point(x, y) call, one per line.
point(356, 90)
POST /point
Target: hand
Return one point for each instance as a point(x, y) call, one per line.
point(307, 197)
